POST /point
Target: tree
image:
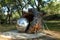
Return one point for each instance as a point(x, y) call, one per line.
point(19, 5)
point(52, 7)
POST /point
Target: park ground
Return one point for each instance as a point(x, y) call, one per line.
point(53, 28)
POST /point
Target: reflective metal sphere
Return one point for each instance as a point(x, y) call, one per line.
point(22, 24)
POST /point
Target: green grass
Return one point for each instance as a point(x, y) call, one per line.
point(53, 25)
point(7, 27)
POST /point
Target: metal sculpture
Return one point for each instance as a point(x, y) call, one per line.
point(34, 21)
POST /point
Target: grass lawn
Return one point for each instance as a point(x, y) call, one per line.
point(52, 25)
point(7, 27)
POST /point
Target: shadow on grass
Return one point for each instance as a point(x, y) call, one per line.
point(53, 25)
point(7, 27)
point(52, 17)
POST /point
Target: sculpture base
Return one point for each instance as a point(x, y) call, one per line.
point(15, 35)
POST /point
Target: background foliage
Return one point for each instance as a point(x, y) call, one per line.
point(16, 7)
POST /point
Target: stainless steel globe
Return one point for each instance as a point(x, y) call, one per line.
point(22, 24)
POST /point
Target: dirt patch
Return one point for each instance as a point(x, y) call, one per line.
point(53, 34)
point(50, 35)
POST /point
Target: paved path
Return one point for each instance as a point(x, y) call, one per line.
point(10, 35)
